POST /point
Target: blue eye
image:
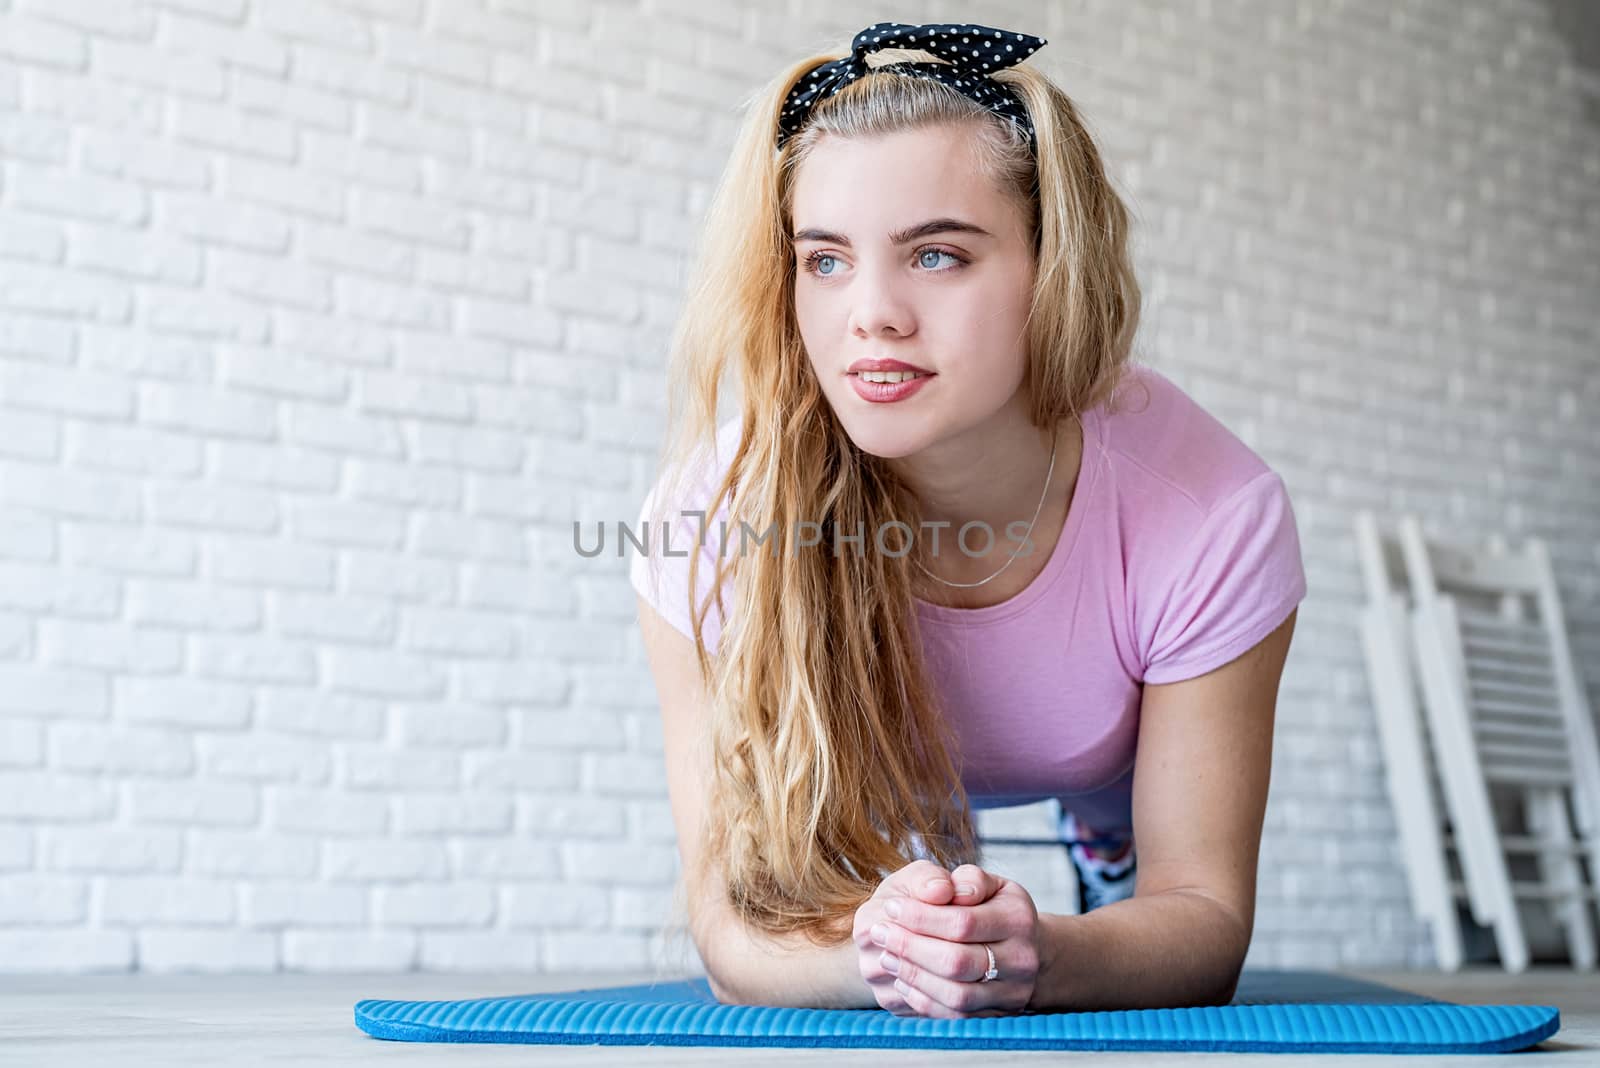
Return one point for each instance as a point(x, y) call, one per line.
point(811, 264)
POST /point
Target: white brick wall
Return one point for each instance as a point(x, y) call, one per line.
point(320, 322)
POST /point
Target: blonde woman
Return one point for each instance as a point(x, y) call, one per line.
point(1022, 567)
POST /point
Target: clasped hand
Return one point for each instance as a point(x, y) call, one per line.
point(920, 940)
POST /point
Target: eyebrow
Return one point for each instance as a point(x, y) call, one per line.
point(899, 237)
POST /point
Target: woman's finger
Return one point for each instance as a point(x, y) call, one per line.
point(984, 922)
point(917, 954)
point(974, 885)
point(934, 995)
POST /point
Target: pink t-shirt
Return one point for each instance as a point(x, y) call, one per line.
point(1180, 552)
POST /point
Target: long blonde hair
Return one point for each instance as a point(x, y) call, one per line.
point(831, 758)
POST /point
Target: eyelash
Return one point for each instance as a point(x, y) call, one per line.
point(809, 264)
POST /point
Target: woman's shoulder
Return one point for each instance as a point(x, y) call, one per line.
point(1175, 456)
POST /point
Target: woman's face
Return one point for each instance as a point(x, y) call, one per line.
point(871, 283)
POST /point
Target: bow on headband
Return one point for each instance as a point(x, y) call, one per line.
point(973, 53)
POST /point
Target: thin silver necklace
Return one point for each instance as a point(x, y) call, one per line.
point(1042, 494)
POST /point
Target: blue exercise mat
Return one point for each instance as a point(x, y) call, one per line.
point(1272, 1011)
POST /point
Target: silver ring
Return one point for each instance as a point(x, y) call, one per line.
point(993, 972)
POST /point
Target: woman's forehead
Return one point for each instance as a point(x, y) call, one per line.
point(885, 183)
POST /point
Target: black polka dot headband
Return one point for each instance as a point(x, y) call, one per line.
point(973, 53)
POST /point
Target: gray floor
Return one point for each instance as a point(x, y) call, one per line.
point(308, 1019)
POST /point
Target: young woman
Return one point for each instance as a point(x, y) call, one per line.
point(1023, 568)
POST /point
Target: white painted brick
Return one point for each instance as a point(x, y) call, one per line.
point(200, 122)
point(136, 62)
point(38, 900)
point(402, 128)
point(452, 814)
point(222, 222)
point(16, 848)
point(590, 729)
point(339, 618)
point(271, 562)
point(410, 218)
point(319, 713)
point(191, 605)
point(557, 906)
point(21, 742)
point(59, 492)
point(377, 767)
point(457, 633)
point(352, 250)
point(33, 137)
point(404, 47)
point(115, 107)
point(347, 74)
point(136, 900)
point(454, 905)
point(133, 450)
point(571, 816)
point(32, 40)
point(509, 858)
point(341, 431)
point(66, 952)
point(405, 483)
point(581, 951)
point(278, 185)
point(478, 951)
point(218, 507)
point(354, 952)
point(383, 860)
point(207, 411)
point(281, 467)
point(525, 324)
point(300, 811)
point(272, 903)
point(181, 949)
point(301, 20)
point(264, 759)
point(535, 590)
point(190, 36)
point(187, 802)
point(96, 396)
point(405, 578)
point(391, 305)
point(543, 772)
point(382, 674)
point(32, 287)
point(652, 820)
point(259, 278)
point(249, 855)
point(469, 539)
point(624, 774)
point(136, 751)
point(524, 681)
point(624, 863)
point(110, 849)
point(469, 106)
point(452, 725)
point(34, 336)
point(478, 274)
point(204, 314)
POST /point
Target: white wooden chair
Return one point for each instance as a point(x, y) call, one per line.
point(1413, 780)
point(1506, 712)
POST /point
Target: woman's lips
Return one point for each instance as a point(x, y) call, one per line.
point(887, 392)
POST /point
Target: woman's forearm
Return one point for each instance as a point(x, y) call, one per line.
point(1167, 950)
point(747, 967)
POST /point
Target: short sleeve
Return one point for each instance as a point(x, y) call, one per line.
point(659, 572)
point(1237, 578)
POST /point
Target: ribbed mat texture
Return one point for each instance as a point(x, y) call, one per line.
point(1273, 1011)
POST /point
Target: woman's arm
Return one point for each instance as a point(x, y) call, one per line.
point(747, 967)
point(743, 966)
point(1159, 951)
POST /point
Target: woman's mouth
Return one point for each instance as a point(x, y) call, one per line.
point(886, 387)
